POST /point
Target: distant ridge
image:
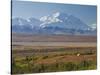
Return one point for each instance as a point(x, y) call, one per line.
point(57, 23)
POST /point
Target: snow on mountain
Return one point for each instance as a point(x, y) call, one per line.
point(93, 26)
point(25, 25)
point(56, 23)
point(63, 20)
point(50, 19)
point(56, 14)
point(34, 22)
point(19, 21)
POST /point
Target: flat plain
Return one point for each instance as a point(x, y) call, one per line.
point(53, 53)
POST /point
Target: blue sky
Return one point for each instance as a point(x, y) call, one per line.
point(26, 9)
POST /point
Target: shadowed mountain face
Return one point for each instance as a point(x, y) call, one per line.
point(57, 23)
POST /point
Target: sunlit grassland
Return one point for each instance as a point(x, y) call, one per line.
point(53, 59)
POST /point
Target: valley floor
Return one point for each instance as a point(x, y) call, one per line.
point(52, 59)
point(39, 57)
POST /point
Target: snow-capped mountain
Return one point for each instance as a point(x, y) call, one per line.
point(63, 20)
point(50, 19)
point(19, 21)
point(25, 25)
point(93, 26)
point(34, 22)
point(57, 23)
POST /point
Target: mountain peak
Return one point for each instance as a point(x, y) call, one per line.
point(50, 19)
point(56, 14)
point(19, 21)
point(56, 23)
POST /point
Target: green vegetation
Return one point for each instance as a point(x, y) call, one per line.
point(52, 59)
point(29, 65)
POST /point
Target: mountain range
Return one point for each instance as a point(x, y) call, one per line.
point(56, 23)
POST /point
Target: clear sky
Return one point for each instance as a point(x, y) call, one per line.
point(26, 9)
